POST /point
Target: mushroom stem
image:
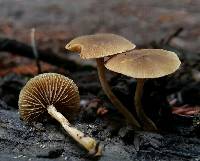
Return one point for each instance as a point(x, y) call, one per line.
point(101, 73)
point(146, 122)
point(88, 143)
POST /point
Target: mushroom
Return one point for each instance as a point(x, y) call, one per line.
point(143, 64)
point(97, 47)
point(54, 95)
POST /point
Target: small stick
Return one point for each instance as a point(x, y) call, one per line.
point(35, 52)
point(168, 39)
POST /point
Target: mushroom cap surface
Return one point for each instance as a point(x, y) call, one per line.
point(45, 90)
point(99, 45)
point(144, 63)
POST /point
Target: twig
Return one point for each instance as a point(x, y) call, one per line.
point(19, 48)
point(36, 54)
point(167, 40)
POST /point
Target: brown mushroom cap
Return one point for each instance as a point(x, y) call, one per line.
point(144, 63)
point(45, 90)
point(99, 45)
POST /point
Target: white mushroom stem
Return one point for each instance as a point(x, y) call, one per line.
point(89, 143)
point(147, 123)
point(101, 73)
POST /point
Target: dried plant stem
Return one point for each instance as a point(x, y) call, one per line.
point(89, 143)
point(120, 107)
point(35, 52)
point(146, 122)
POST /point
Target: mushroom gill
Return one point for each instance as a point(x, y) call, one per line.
point(54, 95)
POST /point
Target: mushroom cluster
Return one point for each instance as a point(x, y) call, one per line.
point(98, 47)
point(122, 58)
point(55, 95)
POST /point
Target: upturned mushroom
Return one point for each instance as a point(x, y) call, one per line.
point(54, 95)
point(97, 47)
point(143, 64)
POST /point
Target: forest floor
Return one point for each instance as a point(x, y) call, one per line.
point(169, 101)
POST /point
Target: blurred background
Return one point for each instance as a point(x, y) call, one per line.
point(141, 21)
